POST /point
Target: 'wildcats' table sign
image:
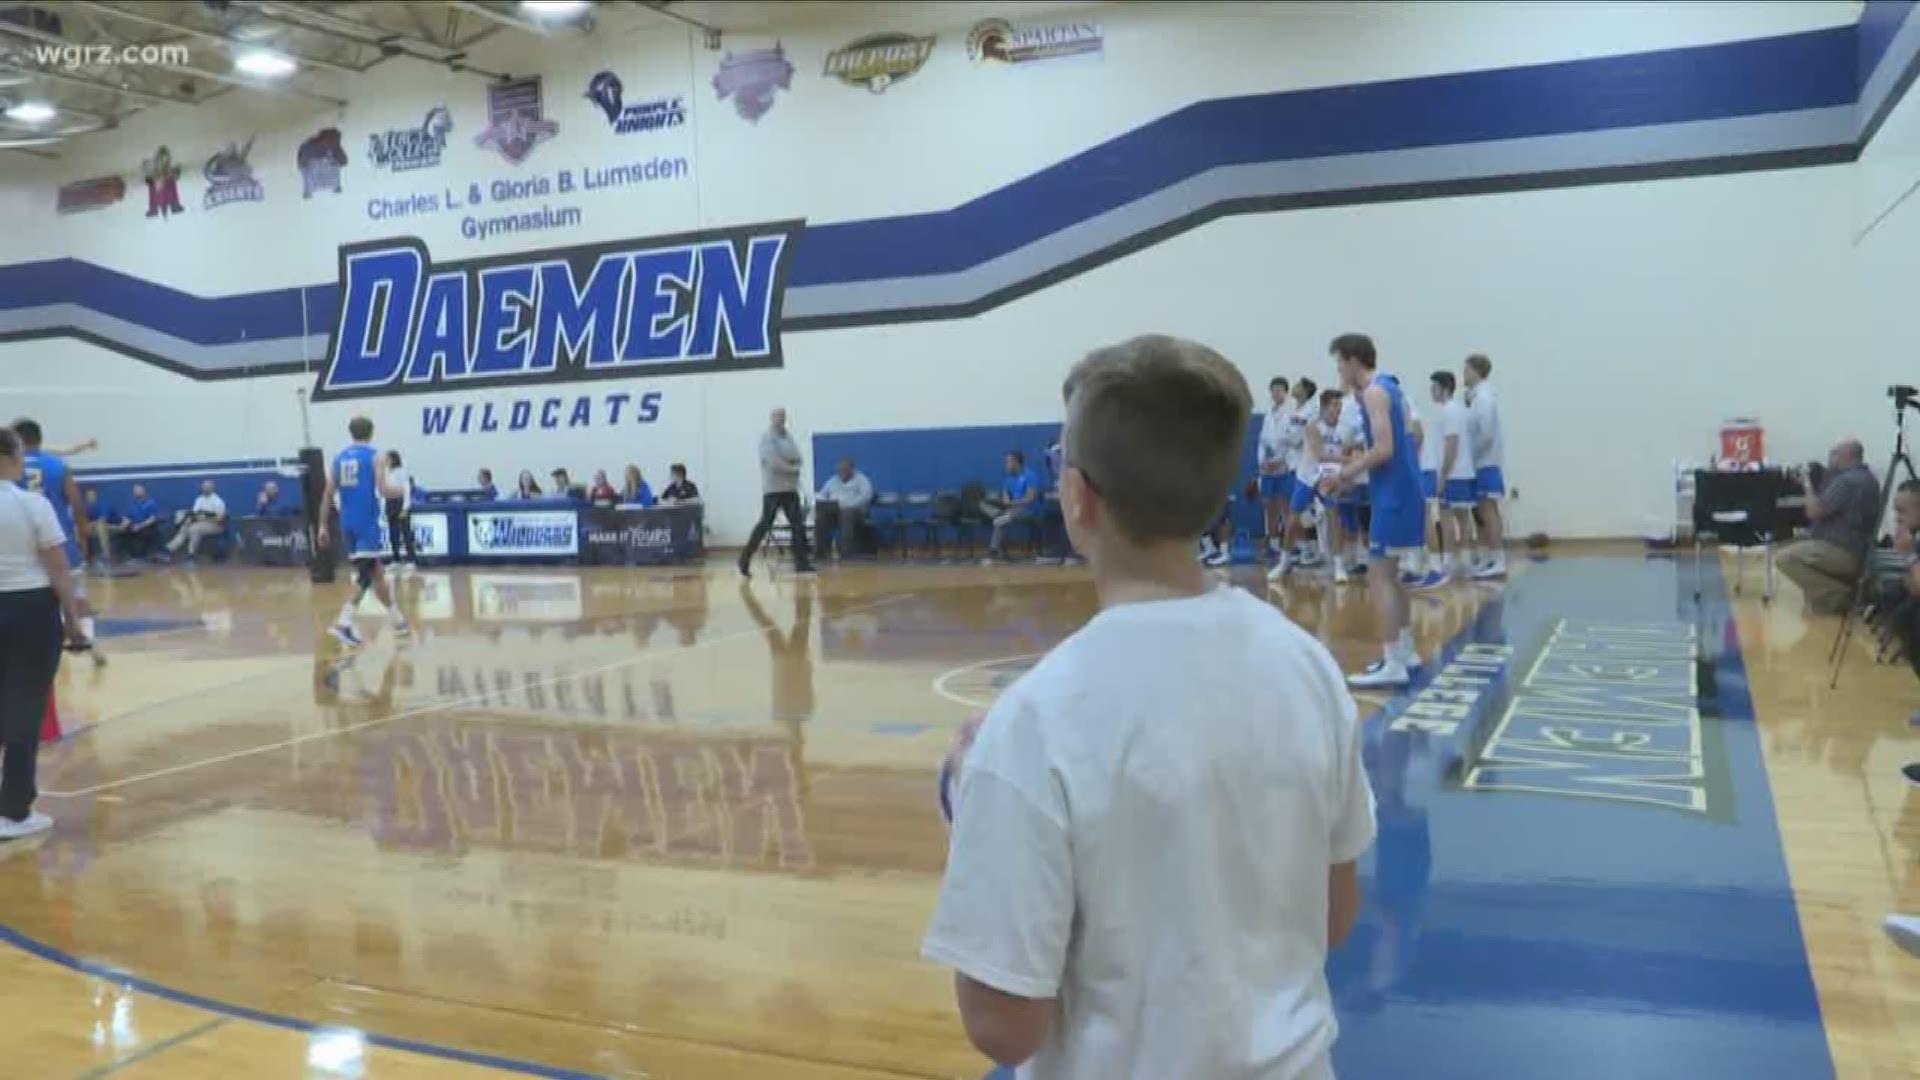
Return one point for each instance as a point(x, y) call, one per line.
point(706, 301)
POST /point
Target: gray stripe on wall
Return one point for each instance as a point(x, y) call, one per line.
point(1900, 55)
point(234, 356)
point(1703, 139)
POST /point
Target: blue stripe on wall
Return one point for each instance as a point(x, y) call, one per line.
point(1793, 72)
point(1745, 78)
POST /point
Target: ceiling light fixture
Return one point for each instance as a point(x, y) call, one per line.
point(554, 9)
point(265, 64)
point(32, 112)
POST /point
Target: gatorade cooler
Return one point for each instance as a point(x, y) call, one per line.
point(1742, 444)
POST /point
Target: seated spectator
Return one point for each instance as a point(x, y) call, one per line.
point(565, 488)
point(682, 491)
point(1844, 514)
point(104, 523)
point(634, 490)
point(528, 489)
point(268, 504)
point(841, 510)
point(142, 529)
point(1019, 499)
point(602, 493)
point(207, 521)
point(484, 484)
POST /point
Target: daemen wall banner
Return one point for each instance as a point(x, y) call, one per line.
point(523, 533)
point(706, 301)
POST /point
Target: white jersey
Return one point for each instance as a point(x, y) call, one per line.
point(1483, 406)
point(1307, 467)
point(1455, 420)
point(1353, 434)
point(1166, 881)
point(1276, 443)
point(1430, 437)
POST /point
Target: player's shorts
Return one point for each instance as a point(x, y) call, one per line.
point(1490, 482)
point(363, 544)
point(1430, 483)
point(1462, 494)
point(1397, 528)
point(1304, 496)
point(1276, 487)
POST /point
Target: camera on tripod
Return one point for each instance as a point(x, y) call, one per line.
point(1904, 397)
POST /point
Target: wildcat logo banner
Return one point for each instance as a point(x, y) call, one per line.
point(705, 301)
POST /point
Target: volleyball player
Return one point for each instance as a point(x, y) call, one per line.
point(1275, 466)
point(1319, 457)
point(47, 473)
point(1489, 455)
point(359, 481)
point(1392, 464)
point(1457, 492)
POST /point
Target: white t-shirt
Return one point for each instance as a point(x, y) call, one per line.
point(398, 481)
point(1429, 437)
point(1455, 420)
point(210, 505)
point(1144, 828)
point(1483, 405)
point(1353, 435)
point(28, 526)
point(1275, 439)
point(1308, 467)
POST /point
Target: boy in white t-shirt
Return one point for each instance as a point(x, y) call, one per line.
point(1155, 831)
point(1454, 472)
point(1489, 456)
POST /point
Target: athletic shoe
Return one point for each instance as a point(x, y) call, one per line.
point(1903, 929)
point(1381, 674)
point(1280, 570)
point(1432, 579)
point(31, 825)
point(1217, 557)
point(1489, 571)
point(1340, 575)
point(402, 628)
point(746, 571)
point(346, 635)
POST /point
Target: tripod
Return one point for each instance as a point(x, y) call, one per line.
point(1901, 462)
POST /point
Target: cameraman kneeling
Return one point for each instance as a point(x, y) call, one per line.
point(1844, 512)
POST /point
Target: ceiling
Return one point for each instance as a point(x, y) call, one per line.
point(70, 53)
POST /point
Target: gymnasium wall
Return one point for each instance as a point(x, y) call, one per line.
point(1644, 213)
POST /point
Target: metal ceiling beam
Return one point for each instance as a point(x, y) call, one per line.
point(112, 12)
point(556, 28)
point(319, 21)
point(664, 9)
point(101, 85)
point(316, 21)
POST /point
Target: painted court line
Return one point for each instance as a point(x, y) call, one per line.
point(154, 1050)
point(443, 706)
point(940, 681)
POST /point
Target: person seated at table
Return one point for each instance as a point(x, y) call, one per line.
point(104, 523)
point(206, 521)
point(1845, 512)
point(840, 510)
point(602, 492)
point(682, 491)
point(483, 484)
point(634, 489)
point(565, 488)
point(268, 503)
point(528, 488)
point(142, 529)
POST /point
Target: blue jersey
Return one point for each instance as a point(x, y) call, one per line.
point(1395, 482)
point(47, 474)
point(354, 474)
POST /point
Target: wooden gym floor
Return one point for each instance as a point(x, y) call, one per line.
point(655, 824)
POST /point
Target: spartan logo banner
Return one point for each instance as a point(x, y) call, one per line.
point(706, 301)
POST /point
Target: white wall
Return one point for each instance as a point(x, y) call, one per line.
point(1885, 249)
point(1625, 321)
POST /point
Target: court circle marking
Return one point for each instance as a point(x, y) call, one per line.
point(941, 682)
